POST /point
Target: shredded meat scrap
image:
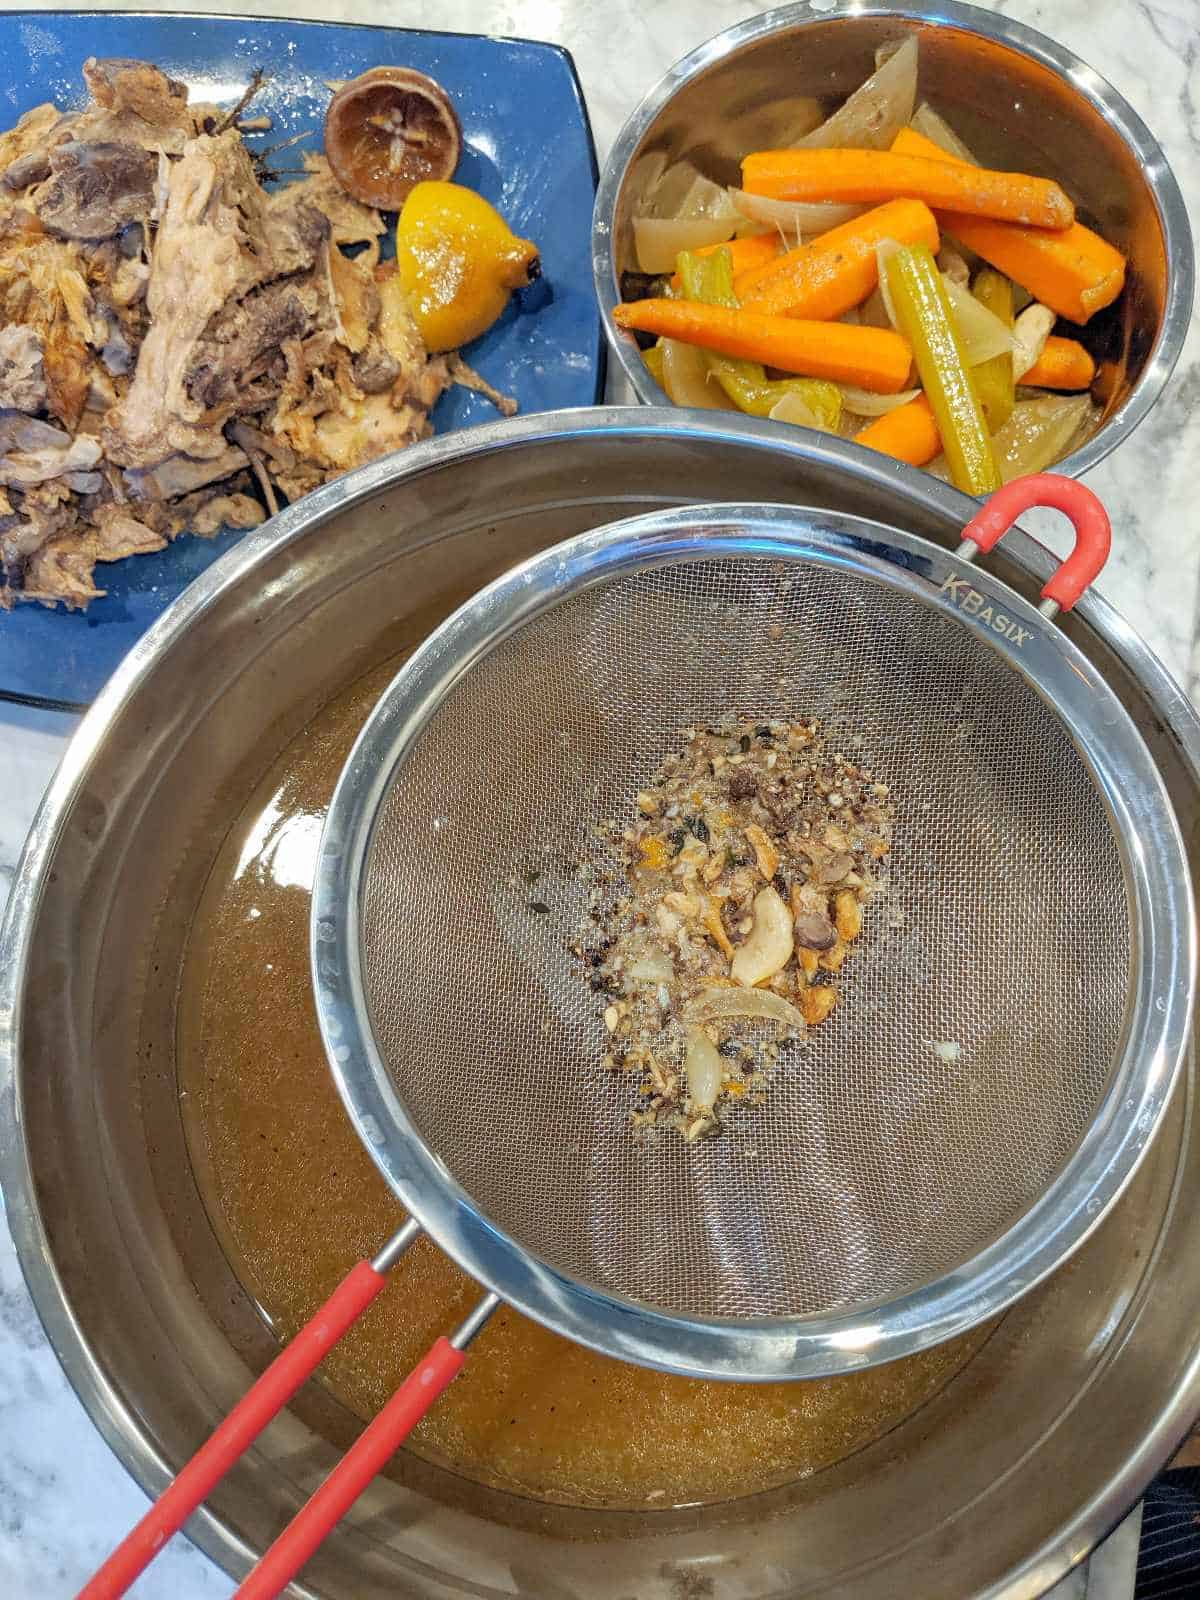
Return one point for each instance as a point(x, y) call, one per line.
point(179, 348)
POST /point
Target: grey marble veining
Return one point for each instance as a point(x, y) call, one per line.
point(63, 1498)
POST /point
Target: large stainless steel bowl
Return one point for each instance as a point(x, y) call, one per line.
point(1018, 99)
point(1003, 1481)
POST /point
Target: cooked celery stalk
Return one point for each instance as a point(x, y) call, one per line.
point(994, 378)
point(759, 395)
point(795, 410)
point(710, 279)
point(654, 360)
point(923, 313)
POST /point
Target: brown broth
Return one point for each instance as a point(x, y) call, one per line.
point(296, 1200)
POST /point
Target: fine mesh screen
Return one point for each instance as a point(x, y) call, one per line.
point(877, 1164)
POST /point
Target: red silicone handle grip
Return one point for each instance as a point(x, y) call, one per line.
point(236, 1434)
point(369, 1454)
point(1093, 532)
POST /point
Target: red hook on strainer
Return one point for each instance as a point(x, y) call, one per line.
point(386, 1433)
point(1093, 532)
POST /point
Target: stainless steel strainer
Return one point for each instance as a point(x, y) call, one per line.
point(879, 1167)
point(892, 1191)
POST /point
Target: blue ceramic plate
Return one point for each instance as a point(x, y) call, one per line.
point(528, 149)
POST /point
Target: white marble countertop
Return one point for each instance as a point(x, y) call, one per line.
point(64, 1500)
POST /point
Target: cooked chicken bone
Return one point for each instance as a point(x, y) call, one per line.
point(176, 341)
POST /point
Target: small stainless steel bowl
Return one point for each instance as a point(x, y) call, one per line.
point(1019, 100)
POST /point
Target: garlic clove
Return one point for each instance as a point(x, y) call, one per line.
point(704, 1068)
point(767, 948)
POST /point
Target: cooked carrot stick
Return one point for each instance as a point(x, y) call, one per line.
point(748, 254)
point(872, 358)
point(908, 433)
point(908, 142)
point(1063, 364)
point(1075, 272)
point(873, 175)
point(837, 269)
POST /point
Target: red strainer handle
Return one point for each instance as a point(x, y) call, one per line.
point(366, 1457)
point(1093, 532)
point(237, 1433)
point(357, 1290)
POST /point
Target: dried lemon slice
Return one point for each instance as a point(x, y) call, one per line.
point(389, 130)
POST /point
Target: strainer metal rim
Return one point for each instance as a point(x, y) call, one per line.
point(1089, 1183)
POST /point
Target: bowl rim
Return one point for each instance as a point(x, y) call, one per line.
point(1085, 80)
